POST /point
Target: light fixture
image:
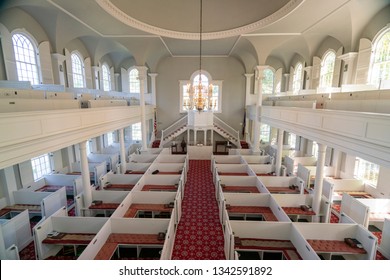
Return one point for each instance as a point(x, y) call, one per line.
point(199, 95)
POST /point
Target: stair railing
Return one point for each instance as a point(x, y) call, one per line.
point(235, 134)
point(166, 133)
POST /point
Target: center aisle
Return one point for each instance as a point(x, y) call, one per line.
point(199, 235)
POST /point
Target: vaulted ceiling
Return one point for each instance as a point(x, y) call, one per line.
point(145, 31)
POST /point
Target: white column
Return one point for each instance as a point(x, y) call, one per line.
point(188, 137)
point(205, 137)
point(259, 101)
point(122, 150)
point(118, 84)
point(85, 174)
point(248, 79)
point(319, 180)
point(195, 135)
point(286, 82)
point(278, 164)
point(153, 84)
point(142, 78)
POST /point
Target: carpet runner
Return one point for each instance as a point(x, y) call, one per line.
point(199, 235)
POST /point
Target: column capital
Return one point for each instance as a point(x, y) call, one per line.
point(152, 75)
point(348, 56)
point(249, 75)
point(142, 72)
point(260, 70)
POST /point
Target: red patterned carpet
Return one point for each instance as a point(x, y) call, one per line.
point(199, 234)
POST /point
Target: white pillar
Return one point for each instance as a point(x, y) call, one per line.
point(286, 82)
point(278, 164)
point(319, 180)
point(142, 78)
point(153, 84)
point(259, 101)
point(122, 150)
point(117, 81)
point(248, 79)
point(95, 77)
point(205, 137)
point(85, 174)
point(195, 135)
point(188, 137)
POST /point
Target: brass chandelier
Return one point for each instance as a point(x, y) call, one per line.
point(200, 95)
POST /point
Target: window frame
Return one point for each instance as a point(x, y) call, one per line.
point(133, 83)
point(372, 171)
point(269, 70)
point(326, 78)
point(40, 168)
point(106, 77)
point(33, 78)
point(136, 127)
point(372, 78)
point(80, 76)
point(297, 83)
point(183, 89)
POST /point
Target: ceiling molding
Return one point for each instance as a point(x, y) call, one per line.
point(114, 11)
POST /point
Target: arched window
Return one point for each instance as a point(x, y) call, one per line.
point(25, 58)
point(268, 81)
point(214, 97)
point(134, 83)
point(106, 78)
point(77, 71)
point(380, 59)
point(327, 68)
point(297, 78)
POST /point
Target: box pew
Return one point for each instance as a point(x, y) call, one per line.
point(163, 158)
point(307, 174)
point(16, 230)
point(232, 170)
point(155, 203)
point(256, 159)
point(128, 234)
point(168, 169)
point(226, 159)
point(143, 158)
point(353, 187)
point(96, 170)
point(58, 230)
point(170, 183)
point(291, 163)
point(384, 246)
point(50, 183)
point(243, 152)
point(120, 182)
point(355, 209)
point(378, 210)
point(283, 184)
point(41, 204)
point(134, 168)
point(296, 206)
point(112, 160)
point(103, 203)
point(72, 184)
point(329, 239)
point(279, 237)
point(262, 169)
point(13, 93)
point(259, 207)
point(241, 184)
point(116, 148)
